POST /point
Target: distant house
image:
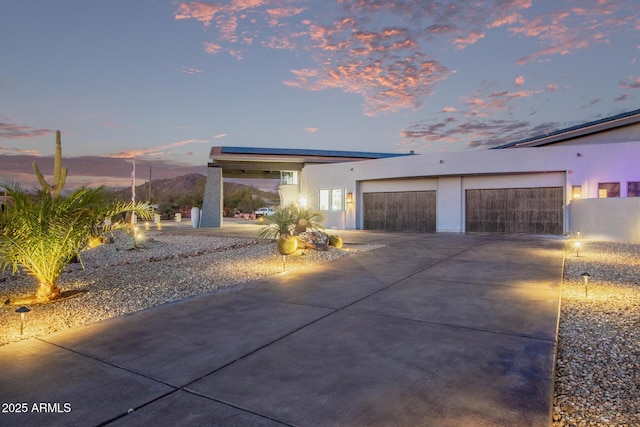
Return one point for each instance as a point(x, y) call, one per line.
point(581, 179)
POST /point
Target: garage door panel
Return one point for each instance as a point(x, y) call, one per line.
point(400, 211)
point(515, 210)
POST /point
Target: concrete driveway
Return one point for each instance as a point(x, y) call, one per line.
point(431, 330)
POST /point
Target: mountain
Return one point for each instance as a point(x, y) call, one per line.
point(175, 189)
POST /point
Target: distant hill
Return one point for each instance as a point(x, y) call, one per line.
point(171, 189)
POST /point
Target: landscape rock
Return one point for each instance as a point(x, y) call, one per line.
point(316, 240)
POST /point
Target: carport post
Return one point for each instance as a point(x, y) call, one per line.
point(213, 200)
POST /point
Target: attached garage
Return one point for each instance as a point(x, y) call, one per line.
point(400, 211)
point(515, 210)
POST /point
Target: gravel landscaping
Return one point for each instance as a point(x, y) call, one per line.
point(598, 366)
point(119, 279)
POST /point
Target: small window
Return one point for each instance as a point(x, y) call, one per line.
point(337, 198)
point(608, 189)
point(633, 189)
point(324, 200)
point(289, 177)
point(576, 192)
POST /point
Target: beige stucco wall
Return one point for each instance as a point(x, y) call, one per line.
point(612, 219)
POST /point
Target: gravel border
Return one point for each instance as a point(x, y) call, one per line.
point(119, 279)
point(598, 362)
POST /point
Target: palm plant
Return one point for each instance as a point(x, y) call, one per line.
point(43, 236)
point(292, 220)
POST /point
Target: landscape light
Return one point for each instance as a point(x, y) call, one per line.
point(22, 310)
point(586, 276)
point(577, 244)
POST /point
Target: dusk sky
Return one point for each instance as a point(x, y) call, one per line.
point(163, 81)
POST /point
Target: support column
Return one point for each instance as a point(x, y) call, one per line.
point(212, 203)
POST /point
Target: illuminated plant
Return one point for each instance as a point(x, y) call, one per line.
point(292, 220)
point(59, 173)
point(43, 236)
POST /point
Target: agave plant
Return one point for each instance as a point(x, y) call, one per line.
point(43, 236)
point(292, 220)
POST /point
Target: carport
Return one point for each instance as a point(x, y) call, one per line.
point(264, 163)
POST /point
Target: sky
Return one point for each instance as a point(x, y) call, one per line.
point(163, 81)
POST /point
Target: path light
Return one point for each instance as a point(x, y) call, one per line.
point(577, 245)
point(586, 276)
point(22, 310)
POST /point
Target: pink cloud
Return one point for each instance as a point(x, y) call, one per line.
point(283, 12)
point(160, 150)
point(212, 48)
point(311, 130)
point(566, 31)
point(633, 84)
point(18, 151)
point(203, 12)
point(13, 131)
point(471, 38)
point(377, 49)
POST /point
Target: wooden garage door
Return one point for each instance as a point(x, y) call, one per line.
point(515, 210)
point(400, 211)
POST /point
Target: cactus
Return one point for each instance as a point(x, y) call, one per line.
point(287, 244)
point(335, 241)
point(59, 173)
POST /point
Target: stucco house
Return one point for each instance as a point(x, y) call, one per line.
point(581, 179)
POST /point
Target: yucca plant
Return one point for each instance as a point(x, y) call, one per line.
point(292, 220)
point(43, 236)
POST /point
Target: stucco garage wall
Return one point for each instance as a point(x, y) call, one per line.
point(454, 172)
point(612, 219)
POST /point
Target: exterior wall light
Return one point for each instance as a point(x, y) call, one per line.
point(586, 276)
point(349, 198)
point(303, 202)
point(22, 311)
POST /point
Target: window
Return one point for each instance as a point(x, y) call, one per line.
point(633, 189)
point(332, 200)
point(608, 189)
point(324, 200)
point(336, 200)
point(576, 192)
point(289, 177)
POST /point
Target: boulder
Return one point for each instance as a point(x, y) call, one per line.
point(316, 240)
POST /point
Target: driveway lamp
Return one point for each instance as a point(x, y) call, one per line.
point(22, 311)
point(586, 276)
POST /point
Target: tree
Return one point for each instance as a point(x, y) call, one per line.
point(244, 199)
point(44, 235)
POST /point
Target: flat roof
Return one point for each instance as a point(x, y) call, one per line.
point(259, 162)
point(595, 126)
point(299, 152)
